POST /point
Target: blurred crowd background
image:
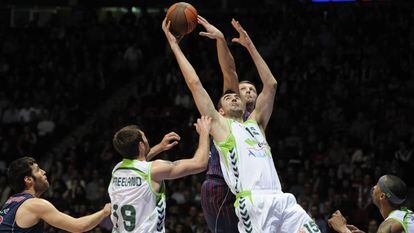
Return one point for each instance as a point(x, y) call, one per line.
point(343, 115)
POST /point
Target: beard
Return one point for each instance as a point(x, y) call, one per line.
point(235, 113)
point(40, 185)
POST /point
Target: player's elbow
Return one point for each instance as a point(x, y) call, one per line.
point(81, 227)
point(78, 228)
point(272, 83)
point(200, 166)
point(194, 84)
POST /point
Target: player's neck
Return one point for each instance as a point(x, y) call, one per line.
point(250, 107)
point(31, 192)
point(239, 119)
point(142, 157)
point(386, 210)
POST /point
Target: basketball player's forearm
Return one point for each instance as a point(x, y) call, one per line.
point(265, 74)
point(190, 75)
point(201, 155)
point(155, 150)
point(197, 164)
point(228, 66)
point(88, 222)
point(203, 101)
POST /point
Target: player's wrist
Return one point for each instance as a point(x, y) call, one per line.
point(344, 230)
point(204, 134)
point(250, 47)
point(220, 37)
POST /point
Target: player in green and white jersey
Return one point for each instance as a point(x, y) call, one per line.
point(137, 186)
point(388, 195)
point(245, 157)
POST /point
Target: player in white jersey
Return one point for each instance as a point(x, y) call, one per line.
point(245, 156)
point(388, 195)
point(137, 188)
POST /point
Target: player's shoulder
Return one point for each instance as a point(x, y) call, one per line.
point(391, 226)
point(160, 162)
point(251, 120)
point(36, 205)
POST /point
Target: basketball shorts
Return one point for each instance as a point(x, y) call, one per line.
point(270, 211)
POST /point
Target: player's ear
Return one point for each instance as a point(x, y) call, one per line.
point(382, 196)
point(221, 111)
point(28, 180)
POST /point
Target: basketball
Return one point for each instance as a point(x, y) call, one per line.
point(183, 17)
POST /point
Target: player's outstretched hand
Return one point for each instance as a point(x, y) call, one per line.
point(170, 37)
point(203, 125)
point(338, 222)
point(169, 141)
point(107, 209)
point(211, 31)
point(244, 38)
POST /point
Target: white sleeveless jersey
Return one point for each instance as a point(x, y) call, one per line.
point(135, 206)
point(246, 159)
point(405, 217)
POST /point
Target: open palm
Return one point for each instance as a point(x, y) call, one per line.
point(244, 38)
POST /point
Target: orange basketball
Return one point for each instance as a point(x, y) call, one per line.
point(183, 17)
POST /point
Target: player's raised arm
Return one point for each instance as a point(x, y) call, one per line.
point(226, 60)
point(168, 141)
point(166, 170)
point(265, 100)
point(202, 99)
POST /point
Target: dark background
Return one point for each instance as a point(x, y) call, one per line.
point(73, 73)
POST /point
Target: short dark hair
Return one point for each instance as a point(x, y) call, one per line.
point(248, 82)
point(396, 186)
point(126, 141)
point(18, 170)
point(219, 105)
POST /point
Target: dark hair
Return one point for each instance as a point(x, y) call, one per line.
point(126, 141)
point(248, 82)
point(396, 186)
point(225, 93)
point(18, 170)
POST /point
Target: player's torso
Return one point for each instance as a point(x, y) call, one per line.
point(135, 206)
point(214, 168)
point(8, 216)
point(246, 159)
point(405, 217)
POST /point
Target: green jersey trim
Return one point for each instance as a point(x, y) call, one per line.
point(250, 121)
point(241, 194)
point(161, 193)
point(228, 144)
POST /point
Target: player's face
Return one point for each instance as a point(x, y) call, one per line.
point(40, 179)
point(377, 195)
point(232, 105)
point(248, 92)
